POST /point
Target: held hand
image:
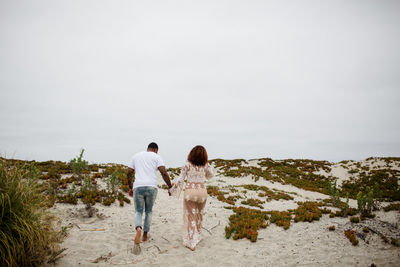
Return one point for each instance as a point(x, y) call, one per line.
point(130, 193)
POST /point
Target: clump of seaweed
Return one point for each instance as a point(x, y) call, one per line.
point(245, 222)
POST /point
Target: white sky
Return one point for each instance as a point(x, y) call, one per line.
point(246, 79)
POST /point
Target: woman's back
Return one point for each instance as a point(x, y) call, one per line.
point(196, 174)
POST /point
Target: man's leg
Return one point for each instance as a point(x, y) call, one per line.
point(138, 199)
point(151, 194)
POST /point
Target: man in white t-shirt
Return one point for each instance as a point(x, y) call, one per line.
point(144, 190)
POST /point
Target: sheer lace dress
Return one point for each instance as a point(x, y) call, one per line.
point(192, 178)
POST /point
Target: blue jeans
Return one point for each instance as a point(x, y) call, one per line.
point(144, 198)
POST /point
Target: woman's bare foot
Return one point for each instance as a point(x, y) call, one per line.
point(192, 249)
point(138, 235)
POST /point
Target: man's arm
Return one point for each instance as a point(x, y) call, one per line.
point(165, 176)
point(129, 175)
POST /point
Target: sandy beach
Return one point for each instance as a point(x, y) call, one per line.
point(106, 238)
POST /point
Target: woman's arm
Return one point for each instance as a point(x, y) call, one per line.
point(209, 171)
point(178, 186)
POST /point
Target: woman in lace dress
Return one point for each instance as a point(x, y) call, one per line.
point(195, 172)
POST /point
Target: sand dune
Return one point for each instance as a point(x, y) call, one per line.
point(106, 239)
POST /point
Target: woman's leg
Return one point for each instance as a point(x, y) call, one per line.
point(193, 205)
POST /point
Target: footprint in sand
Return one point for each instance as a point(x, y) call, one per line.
point(136, 249)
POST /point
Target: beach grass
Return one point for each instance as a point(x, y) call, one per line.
point(27, 236)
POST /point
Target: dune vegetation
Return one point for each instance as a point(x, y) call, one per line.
point(27, 236)
point(29, 187)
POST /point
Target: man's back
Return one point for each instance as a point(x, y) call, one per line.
point(145, 165)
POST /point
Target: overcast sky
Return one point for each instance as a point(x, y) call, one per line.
point(246, 79)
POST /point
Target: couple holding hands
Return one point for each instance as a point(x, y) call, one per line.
point(144, 190)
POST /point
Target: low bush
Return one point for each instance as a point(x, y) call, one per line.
point(307, 211)
point(351, 235)
point(281, 218)
point(214, 191)
point(245, 222)
point(355, 219)
point(392, 206)
point(253, 202)
point(113, 183)
point(78, 164)
point(267, 192)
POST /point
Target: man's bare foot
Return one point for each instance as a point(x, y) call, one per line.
point(138, 235)
point(146, 237)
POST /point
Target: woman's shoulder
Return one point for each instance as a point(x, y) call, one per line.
point(189, 165)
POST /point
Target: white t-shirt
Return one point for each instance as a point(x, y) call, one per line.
point(145, 165)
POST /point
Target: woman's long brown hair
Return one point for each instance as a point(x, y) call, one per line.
point(198, 156)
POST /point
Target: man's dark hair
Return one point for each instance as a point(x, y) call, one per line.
point(152, 145)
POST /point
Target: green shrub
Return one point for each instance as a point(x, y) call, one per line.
point(366, 202)
point(78, 165)
point(26, 233)
point(334, 194)
point(113, 183)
